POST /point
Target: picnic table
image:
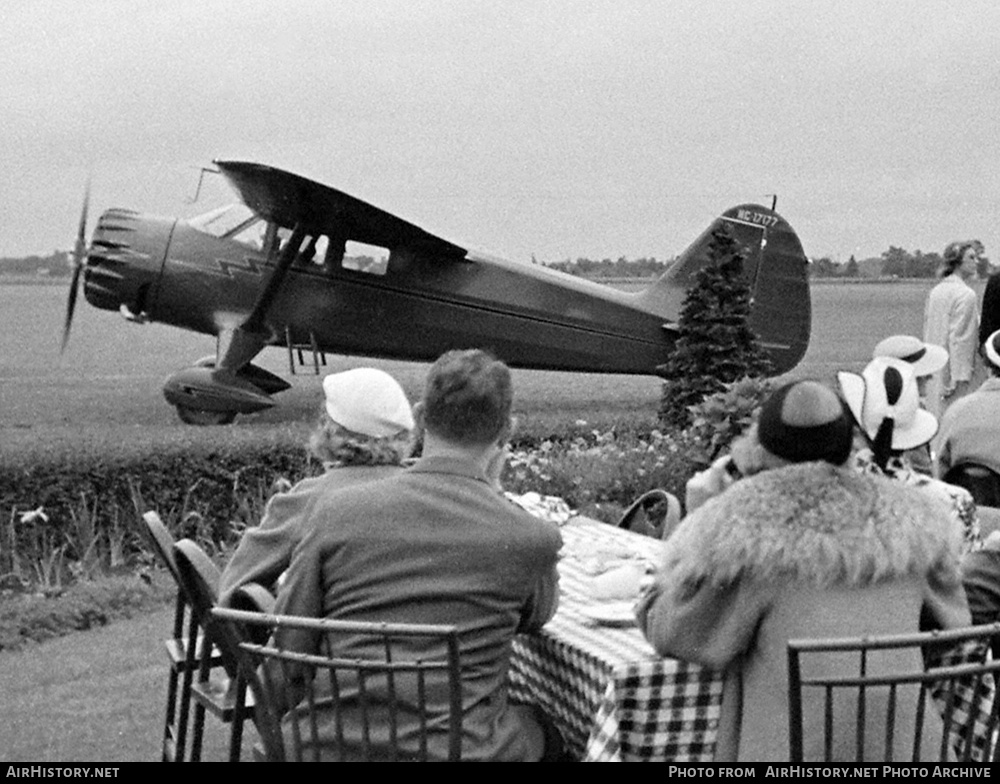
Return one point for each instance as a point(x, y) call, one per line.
point(611, 695)
point(615, 699)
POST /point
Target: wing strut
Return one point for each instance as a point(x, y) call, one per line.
point(237, 347)
point(288, 255)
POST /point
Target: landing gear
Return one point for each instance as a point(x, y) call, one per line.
point(204, 395)
point(199, 416)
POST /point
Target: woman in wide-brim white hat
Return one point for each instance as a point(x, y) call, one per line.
point(885, 404)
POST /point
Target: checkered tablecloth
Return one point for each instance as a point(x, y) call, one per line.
point(612, 696)
point(967, 702)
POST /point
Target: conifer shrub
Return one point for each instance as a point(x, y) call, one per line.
point(715, 345)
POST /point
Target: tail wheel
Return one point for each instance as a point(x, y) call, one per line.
point(199, 416)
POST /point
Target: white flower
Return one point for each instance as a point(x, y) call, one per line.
point(34, 516)
point(280, 485)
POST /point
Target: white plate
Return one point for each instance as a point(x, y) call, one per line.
point(611, 613)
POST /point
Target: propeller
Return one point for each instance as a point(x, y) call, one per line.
point(79, 262)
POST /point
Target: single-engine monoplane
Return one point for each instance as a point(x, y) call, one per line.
point(279, 269)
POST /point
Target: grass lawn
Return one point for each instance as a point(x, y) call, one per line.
point(95, 696)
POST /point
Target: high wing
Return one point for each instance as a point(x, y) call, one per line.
point(290, 201)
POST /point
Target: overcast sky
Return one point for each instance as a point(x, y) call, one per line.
point(559, 129)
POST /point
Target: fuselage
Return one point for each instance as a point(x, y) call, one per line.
point(415, 306)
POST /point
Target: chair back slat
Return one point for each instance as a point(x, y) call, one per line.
point(890, 723)
point(161, 543)
point(394, 714)
point(827, 723)
point(366, 727)
point(313, 726)
point(199, 579)
point(199, 576)
point(859, 740)
point(919, 727)
point(339, 717)
point(455, 696)
point(422, 698)
point(159, 540)
point(948, 706)
point(361, 690)
point(794, 703)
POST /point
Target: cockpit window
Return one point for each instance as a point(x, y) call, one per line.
point(234, 221)
point(238, 222)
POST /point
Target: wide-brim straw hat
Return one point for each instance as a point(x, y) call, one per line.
point(887, 389)
point(926, 358)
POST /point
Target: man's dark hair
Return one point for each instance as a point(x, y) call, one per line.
point(468, 397)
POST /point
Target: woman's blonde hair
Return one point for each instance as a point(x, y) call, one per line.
point(335, 445)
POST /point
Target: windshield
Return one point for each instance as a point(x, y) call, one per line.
point(234, 221)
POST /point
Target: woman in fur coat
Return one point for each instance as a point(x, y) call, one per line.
point(807, 548)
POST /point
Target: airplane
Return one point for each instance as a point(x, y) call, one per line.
point(274, 270)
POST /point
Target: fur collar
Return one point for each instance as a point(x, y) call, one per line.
point(819, 524)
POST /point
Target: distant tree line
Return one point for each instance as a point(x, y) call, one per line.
point(893, 263)
point(606, 268)
point(56, 264)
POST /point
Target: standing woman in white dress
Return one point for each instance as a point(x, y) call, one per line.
point(951, 320)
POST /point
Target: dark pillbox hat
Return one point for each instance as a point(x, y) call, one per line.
point(804, 421)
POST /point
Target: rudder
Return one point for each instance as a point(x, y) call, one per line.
point(776, 271)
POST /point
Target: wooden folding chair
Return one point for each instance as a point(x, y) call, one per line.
point(860, 705)
point(221, 695)
point(175, 725)
point(369, 691)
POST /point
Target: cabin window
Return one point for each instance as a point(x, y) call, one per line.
point(361, 257)
point(311, 252)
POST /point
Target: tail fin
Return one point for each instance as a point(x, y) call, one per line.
point(775, 268)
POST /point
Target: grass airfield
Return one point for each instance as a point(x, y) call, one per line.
point(105, 391)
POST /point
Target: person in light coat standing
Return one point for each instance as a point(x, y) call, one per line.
point(951, 320)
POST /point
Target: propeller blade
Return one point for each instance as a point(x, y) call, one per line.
point(70, 307)
point(81, 232)
point(79, 261)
